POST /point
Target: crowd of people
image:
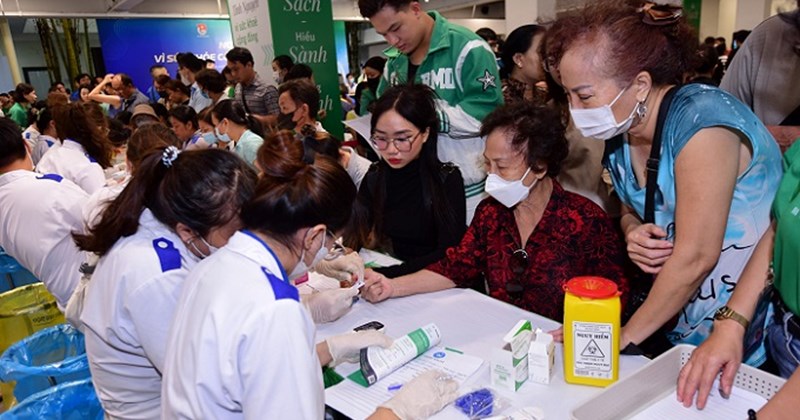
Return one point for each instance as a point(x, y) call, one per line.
point(596, 144)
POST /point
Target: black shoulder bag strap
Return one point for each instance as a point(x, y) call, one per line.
point(655, 158)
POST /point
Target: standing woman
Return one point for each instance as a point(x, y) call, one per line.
point(523, 73)
point(241, 344)
point(148, 239)
point(718, 172)
point(233, 125)
point(416, 207)
point(24, 96)
point(84, 152)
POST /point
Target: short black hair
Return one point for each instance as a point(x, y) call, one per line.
point(240, 55)
point(81, 76)
point(299, 71)
point(211, 80)
point(284, 62)
point(156, 66)
point(12, 146)
point(488, 34)
point(537, 132)
point(20, 92)
point(190, 61)
point(303, 92)
point(370, 8)
point(125, 79)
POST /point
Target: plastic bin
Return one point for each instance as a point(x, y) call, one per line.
point(23, 311)
point(12, 274)
point(47, 358)
point(658, 378)
point(70, 401)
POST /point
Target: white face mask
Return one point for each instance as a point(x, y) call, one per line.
point(301, 267)
point(185, 80)
point(599, 123)
point(278, 78)
point(508, 193)
point(200, 254)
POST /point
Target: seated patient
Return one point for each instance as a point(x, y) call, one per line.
point(416, 205)
point(531, 236)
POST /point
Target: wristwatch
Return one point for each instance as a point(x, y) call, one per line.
point(727, 313)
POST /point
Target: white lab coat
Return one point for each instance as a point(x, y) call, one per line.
point(37, 217)
point(127, 311)
point(71, 161)
point(43, 144)
point(100, 199)
point(241, 345)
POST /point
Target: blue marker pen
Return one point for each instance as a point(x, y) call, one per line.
point(394, 387)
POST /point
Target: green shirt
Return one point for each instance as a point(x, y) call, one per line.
point(19, 114)
point(247, 146)
point(786, 211)
point(462, 70)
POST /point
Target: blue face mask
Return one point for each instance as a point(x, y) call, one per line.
point(222, 137)
point(210, 137)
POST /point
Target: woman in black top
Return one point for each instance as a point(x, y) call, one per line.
point(416, 205)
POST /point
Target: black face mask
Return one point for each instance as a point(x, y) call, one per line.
point(372, 84)
point(285, 121)
point(163, 94)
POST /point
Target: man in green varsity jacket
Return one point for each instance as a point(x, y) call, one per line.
point(457, 64)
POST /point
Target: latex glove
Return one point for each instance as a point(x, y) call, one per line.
point(347, 347)
point(329, 305)
point(424, 396)
point(646, 248)
point(342, 268)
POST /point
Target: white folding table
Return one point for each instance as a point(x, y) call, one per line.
point(475, 324)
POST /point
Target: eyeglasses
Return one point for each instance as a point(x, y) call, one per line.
point(518, 264)
point(401, 144)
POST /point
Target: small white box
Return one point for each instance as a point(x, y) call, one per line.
point(509, 365)
point(541, 357)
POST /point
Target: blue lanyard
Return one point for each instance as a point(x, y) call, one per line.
point(275, 257)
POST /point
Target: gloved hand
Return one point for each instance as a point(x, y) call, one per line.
point(424, 396)
point(347, 347)
point(342, 267)
point(329, 305)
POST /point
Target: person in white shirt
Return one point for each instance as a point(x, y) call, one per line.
point(38, 214)
point(241, 345)
point(148, 238)
point(84, 152)
point(48, 137)
point(188, 67)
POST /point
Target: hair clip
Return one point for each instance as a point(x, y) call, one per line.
point(170, 154)
point(660, 14)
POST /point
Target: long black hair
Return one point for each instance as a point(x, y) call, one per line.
point(235, 113)
point(417, 104)
point(175, 194)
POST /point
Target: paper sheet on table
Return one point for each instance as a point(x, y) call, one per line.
point(362, 125)
point(376, 259)
point(363, 401)
point(735, 407)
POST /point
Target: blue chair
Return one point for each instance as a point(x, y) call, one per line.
point(75, 400)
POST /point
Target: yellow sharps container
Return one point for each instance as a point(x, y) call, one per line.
point(591, 331)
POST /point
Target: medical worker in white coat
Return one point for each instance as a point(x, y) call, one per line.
point(241, 345)
point(38, 214)
point(148, 238)
point(84, 152)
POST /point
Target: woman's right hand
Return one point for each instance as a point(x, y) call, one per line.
point(722, 351)
point(646, 248)
point(107, 79)
point(377, 287)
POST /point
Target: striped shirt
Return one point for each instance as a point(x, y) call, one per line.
point(259, 97)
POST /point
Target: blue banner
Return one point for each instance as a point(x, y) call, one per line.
point(131, 46)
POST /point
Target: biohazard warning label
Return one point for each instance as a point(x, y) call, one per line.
point(592, 348)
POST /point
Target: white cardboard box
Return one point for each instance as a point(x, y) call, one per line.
point(541, 357)
point(509, 364)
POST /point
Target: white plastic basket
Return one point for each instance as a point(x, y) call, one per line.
point(653, 381)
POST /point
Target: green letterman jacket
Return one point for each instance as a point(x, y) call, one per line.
point(462, 69)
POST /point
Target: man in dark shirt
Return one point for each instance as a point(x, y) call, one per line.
point(131, 96)
point(258, 98)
